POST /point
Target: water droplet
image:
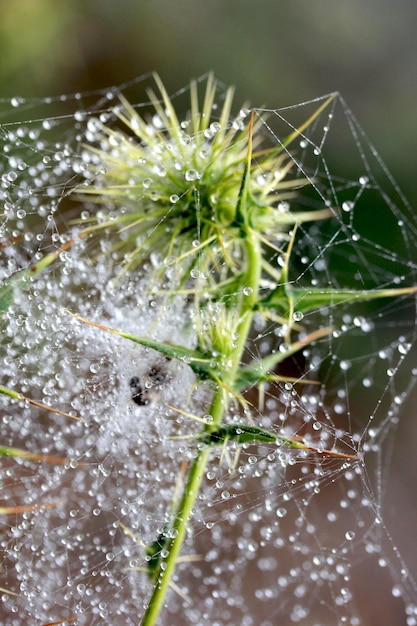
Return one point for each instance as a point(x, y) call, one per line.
point(247, 291)
point(297, 316)
point(79, 116)
point(281, 512)
point(173, 198)
point(215, 127)
point(347, 206)
point(159, 170)
point(350, 535)
point(261, 180)
point(157, 122)
point(283, 207)
point(191, 175)
point(17, 101)
point(404, 348)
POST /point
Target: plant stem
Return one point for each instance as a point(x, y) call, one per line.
point(191, 490)
point(247, 305)
point(217, 409)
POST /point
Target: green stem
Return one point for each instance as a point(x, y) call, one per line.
point(217, 410)
point(248, 301)
point(191, 491)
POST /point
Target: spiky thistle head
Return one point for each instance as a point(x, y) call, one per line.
point(175, 188)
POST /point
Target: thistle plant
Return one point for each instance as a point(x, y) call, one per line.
point(209, 205)
point(209, 215)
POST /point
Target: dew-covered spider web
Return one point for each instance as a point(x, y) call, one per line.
point(279, 535)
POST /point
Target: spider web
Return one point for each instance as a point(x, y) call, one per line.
point(278, 535)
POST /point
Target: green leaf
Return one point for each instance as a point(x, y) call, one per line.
point(244, 191)
point(237, 432)
point(5, 391)
point(199, 363)
point(286, 298)
point(244, 433)
point(260, 371)
point(23, 278)
point(32, 456)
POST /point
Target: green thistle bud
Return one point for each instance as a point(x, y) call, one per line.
point(174, 188)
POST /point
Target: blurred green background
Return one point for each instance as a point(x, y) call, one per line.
point(276, 53)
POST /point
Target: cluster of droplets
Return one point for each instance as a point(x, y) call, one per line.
point(105, 479)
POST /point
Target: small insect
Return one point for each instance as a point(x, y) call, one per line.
point(137, 392)
point(144, 388)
